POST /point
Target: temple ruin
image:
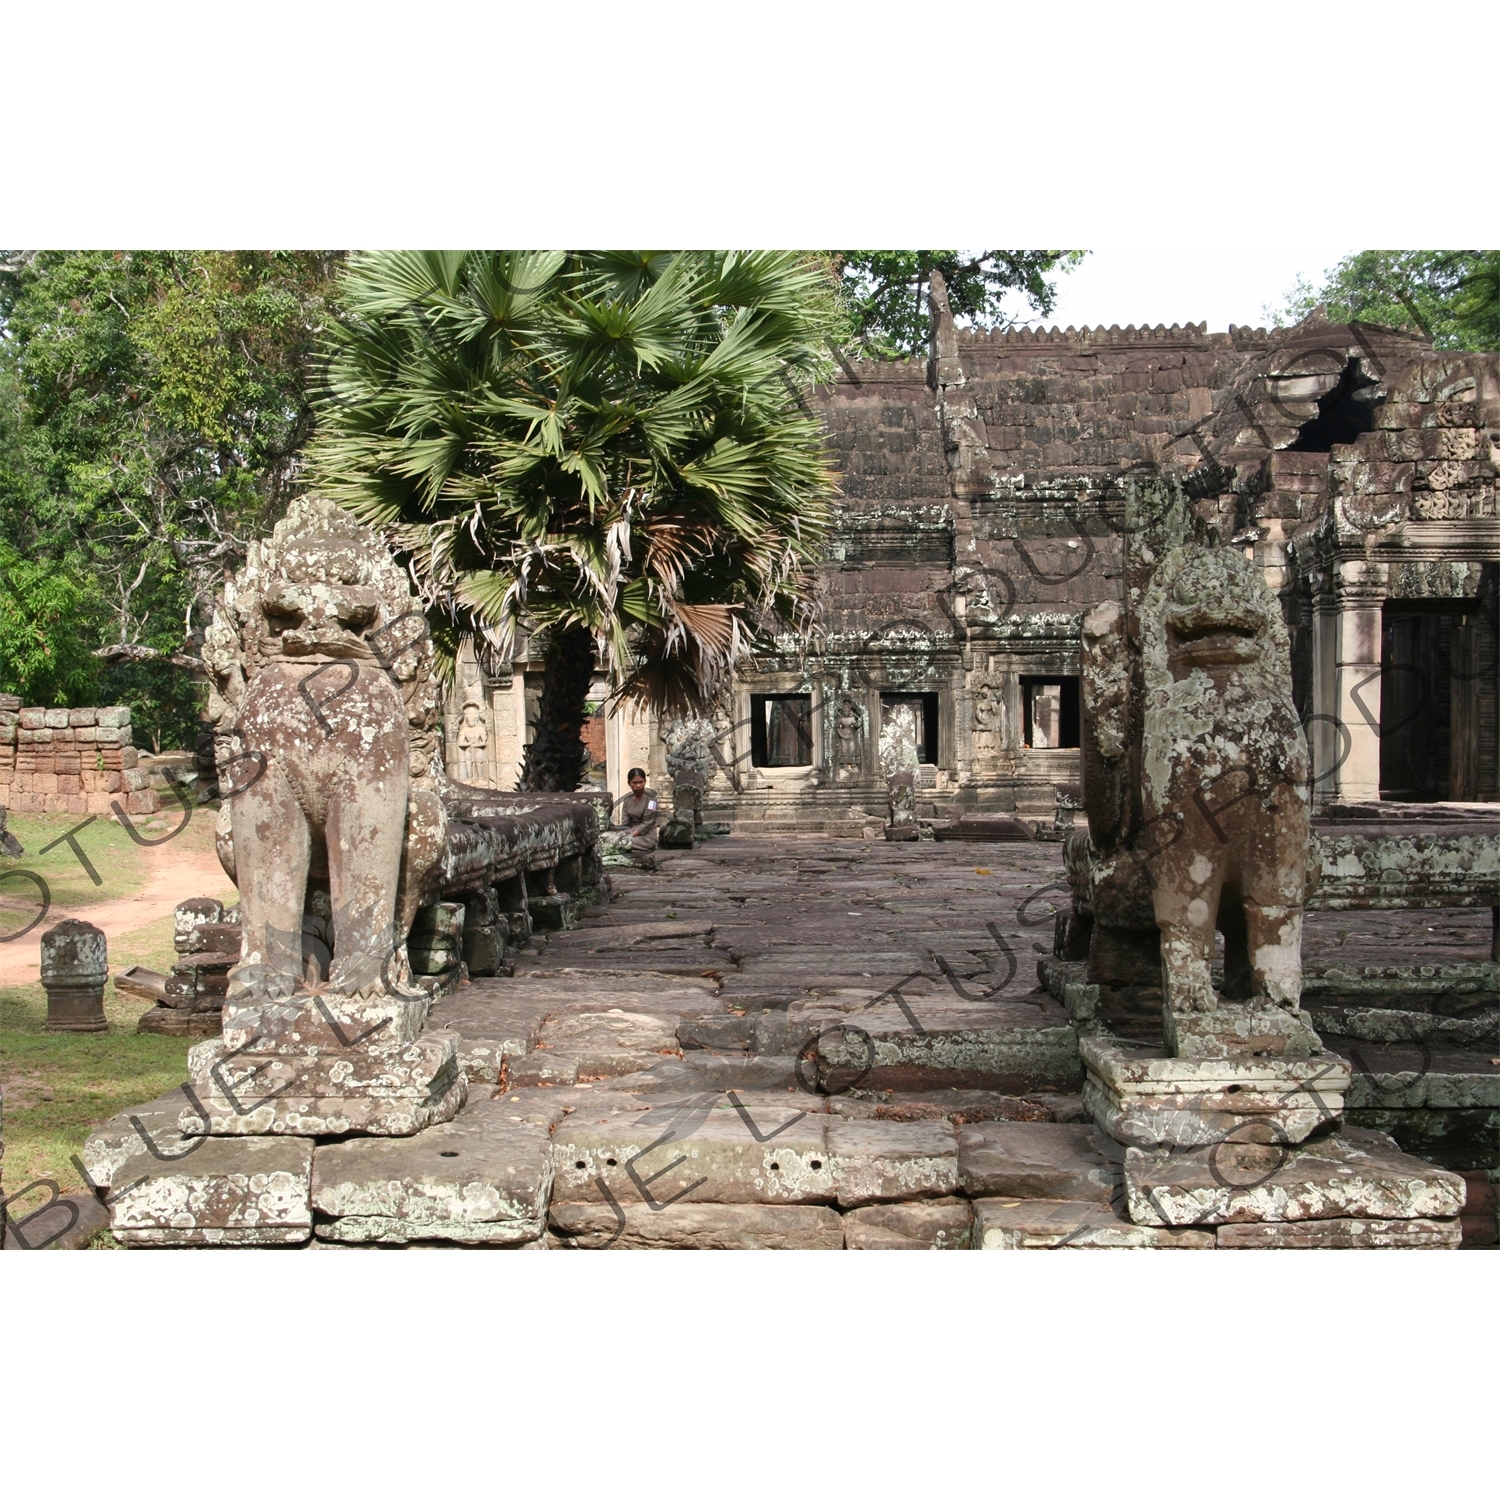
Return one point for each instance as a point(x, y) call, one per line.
point(983, 513)
point(1229, 597)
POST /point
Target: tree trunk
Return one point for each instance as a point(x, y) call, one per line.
point(554, 759)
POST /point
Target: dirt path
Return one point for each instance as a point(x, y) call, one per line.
point(174, 874)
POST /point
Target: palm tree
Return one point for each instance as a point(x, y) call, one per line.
point(610, 449)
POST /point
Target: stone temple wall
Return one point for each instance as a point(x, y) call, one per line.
point(71, 760)
point(982, 513)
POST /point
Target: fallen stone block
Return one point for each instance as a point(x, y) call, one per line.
point(1007, 1160)
point(1344, 1234)
point(1354, 1174)
point(68, 1222)
point(944, 1224)
point(695, 1226)
point(877, 1161)
point(225, 1191)
point(481, 1178)
point(729, 1156)
point(1042, 1224)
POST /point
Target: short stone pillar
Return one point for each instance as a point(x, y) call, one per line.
point(75, 964)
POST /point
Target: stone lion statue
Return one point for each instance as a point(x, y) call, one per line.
point(1225, 782)
point(326, 740)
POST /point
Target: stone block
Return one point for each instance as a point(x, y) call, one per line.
point(774, 1156)
point(165, 1020)
point(25, 736)
point(489, 1030)
point(360, 1089)
point(253, 1191)
point(1241, 1031)
point(540, 1069)
point(133, 1131)
point(142, 803)
point(478, 1179)
point(942, 1224)
point(695, 1226)
point(555, 913)
point(1011, 1047)
point(1141, 1097)
point(1012, 1159)
point(56, 718)
point(1343, 1234)
point(188, 916)
point(32, 718)
point(326, 1024)
point(609, 1044)
point(79, 718)
point(113, 718)
point(1044, 1224)
point(1354, 1174)
point(484, 948)
point(877, 1161)
point(68, 1222)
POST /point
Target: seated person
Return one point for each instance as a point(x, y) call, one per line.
point(635, 828)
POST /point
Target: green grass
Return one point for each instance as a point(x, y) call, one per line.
point(116, 859)
point(59, 1085)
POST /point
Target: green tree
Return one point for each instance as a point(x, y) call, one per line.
point(153, 406)
point(611, 449)
point(885, 291)
point(1451, 295)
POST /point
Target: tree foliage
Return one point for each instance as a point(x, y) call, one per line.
point(611, 448)
point(1452, 295)
point(885, 292)
point(152, 410)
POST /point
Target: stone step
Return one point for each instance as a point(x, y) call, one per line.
point(1353, 1174)
point(1343, 1234)
point(1009, 1160)
point(633, 1225)
point(1060, 1224)
point(481, 1178)
point(940, 1224)
point(1011, 1047)
point(237, 1190)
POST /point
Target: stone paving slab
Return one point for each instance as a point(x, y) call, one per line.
point(876, 1161)
point(940, 1224)
point(1344, 1234)
point(1043, 1224)
point(1354, 1174)
point(1001, 1159)
point(227, 1191)
point(609, 1043)
point(489, 1028)
point(778, 1156)
point(1008, 1048)
point(695, 1226)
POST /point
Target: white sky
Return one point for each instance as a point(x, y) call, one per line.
point(1148, 284)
